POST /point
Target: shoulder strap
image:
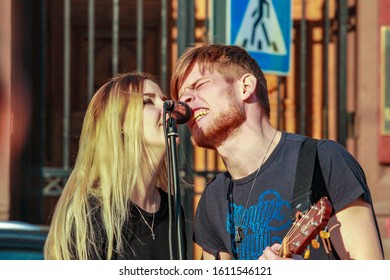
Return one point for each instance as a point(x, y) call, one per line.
point(309, 185)
point(304, 175)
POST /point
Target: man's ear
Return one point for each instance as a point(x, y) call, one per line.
point(248, 84)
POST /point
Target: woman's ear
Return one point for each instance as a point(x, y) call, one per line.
point(248, 84)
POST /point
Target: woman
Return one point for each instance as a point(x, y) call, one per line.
point(114, 205)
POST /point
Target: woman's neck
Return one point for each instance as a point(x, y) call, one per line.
point(149, 200)
point(147, 196)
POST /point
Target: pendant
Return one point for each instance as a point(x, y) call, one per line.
point(153, 235)
point(238, 235)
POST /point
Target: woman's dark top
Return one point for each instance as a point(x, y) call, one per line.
point(138, 243)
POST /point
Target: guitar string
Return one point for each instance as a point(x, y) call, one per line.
point(292, 229)
point(299, 223)
point(296, 226)
point(286, 240)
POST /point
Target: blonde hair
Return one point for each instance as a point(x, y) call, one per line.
point(112, 162)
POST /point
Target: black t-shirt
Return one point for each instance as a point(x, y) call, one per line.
point(267, 218)
point(137, 238)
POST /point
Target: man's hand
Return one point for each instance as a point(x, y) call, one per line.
point(272, 253)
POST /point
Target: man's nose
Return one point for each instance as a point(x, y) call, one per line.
point(187, 97)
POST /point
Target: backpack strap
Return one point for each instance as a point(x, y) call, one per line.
point(301, 200)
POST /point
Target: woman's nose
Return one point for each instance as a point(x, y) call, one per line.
point(162, 111)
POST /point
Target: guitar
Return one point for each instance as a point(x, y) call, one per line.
point(305, 228)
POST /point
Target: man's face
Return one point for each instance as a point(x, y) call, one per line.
point(217, 111)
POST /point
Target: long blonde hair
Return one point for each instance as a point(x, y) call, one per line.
point(112, 162)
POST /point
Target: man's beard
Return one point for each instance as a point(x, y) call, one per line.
point(222, 126)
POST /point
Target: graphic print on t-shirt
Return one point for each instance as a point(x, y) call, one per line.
point(261, 224)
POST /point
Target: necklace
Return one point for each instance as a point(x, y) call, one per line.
point(238, 229)
point(146, 223)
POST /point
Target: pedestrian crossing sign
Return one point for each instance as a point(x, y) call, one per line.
point(263, 28)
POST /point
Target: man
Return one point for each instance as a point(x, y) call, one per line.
point(245, 212)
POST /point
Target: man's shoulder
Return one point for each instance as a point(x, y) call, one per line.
point(326, 148)
point(219, 178)
point(294, 137)
point(293, 140)
point(299, 139)
point(218, 182)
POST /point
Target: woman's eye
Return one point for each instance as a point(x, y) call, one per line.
point(148, 101)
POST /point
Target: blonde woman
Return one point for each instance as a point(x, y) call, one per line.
point(115, 205)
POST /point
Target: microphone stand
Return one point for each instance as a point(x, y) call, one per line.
point(173, 173)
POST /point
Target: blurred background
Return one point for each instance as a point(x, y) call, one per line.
point(54, 54)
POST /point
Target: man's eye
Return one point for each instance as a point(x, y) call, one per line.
point(200, 84)
point(148, 101)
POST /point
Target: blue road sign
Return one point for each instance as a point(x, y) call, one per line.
point(263, 28)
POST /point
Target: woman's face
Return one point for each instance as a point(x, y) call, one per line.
point(153, 118)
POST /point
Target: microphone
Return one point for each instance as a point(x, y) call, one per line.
point(180, 111)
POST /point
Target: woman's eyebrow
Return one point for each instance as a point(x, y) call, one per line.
point(153, 95)
point(150, 94)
